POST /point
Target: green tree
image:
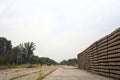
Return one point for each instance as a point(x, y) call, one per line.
point(64, 62)
point(21, 54)
point(24, 52)
point(5, 45)
point(30, 47)
point(5, 49)
point(72, 61)
point(34, 60)
point(45, 60)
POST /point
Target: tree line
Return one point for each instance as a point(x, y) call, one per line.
point(20, 54)
point(72, 62)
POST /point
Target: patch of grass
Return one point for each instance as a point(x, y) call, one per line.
point(22, 66)
point(30, 79)
point(42, 76)
point(30, 66)
point(3, 67)
point(7, 66)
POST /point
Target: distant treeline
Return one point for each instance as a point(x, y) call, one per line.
point(21, 54)
point(42, 60)
point(72, 61)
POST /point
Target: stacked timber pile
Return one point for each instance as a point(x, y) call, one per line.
point(103, 56)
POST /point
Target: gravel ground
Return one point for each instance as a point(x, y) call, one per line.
point(72, 73)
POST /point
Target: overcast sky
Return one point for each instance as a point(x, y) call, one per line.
point(60, 28)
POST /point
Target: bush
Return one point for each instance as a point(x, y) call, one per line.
point(30, 66)
point(8, 65)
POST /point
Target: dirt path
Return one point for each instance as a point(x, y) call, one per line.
point(72, 73)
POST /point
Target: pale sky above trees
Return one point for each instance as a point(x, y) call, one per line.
point(60, 28)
